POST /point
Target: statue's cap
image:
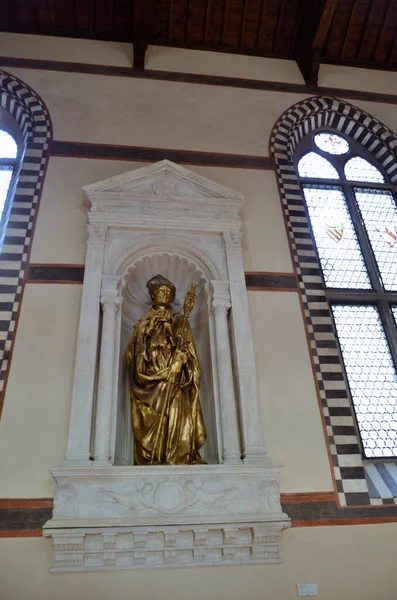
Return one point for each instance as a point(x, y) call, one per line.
point(158, 280)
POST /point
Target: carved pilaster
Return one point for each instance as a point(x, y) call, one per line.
point(78, 451)
point(230, 435)
point(252, 440)
point(110, 302)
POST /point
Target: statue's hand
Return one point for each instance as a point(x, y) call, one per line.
point(180, 359)
point(165, 374)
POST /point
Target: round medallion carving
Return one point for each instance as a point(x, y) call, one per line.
point(169, 498)
point(165, 187)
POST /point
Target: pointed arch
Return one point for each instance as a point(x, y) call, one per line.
point(316, 112)
point(33, 119)
point(297, 122)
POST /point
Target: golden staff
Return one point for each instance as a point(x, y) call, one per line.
point(188, 306)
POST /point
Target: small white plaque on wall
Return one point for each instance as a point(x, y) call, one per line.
point(307, 589)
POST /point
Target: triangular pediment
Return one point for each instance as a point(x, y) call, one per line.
point(162, 179)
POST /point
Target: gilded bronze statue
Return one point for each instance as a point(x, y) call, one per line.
point(164, 375)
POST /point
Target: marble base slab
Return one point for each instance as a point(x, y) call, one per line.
point(132, 517)
point(124, 548)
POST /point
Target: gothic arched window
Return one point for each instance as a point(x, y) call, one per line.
point(353, 217)
point(11, 151)
point(8, 159)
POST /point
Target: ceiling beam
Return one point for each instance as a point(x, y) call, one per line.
point(141, 31)
point(316, 20)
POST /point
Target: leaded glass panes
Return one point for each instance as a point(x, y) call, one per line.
point(314, 165)
point(378, 210)
point(331, 143)
point(8, 146)
point(339, 252)
point(354, 222)
point(372, 376)
point(5, 178)
point(359, 169)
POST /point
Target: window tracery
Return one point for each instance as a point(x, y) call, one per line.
point(9, 152)
point(353, 217)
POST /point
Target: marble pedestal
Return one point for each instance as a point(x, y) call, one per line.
point(135, 517)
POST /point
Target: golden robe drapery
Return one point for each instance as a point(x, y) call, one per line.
point(163, 375)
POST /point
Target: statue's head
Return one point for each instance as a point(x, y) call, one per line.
point(161, 290)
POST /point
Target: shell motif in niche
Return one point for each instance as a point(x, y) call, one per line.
point(180, 271)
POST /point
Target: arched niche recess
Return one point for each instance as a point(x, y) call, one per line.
point(135, 303)
point(109, 513)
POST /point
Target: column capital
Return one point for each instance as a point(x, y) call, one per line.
point(96, 233)
point(220, 307)
point(110, 301)
point(220, 295)
point(233, 239)
point(110, 294)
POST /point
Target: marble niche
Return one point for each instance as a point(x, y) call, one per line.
point(108, 513)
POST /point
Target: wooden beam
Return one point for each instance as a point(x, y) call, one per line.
point(143, 14)
point(52, 14)
point(316, 19)
point(324, 25)
point(244, 23)
point(384, 46)
point(355, 29)
point(207, 26)
point(225, 21)
point(372, 30)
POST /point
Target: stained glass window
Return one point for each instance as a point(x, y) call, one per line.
point(339, 252)
point(5, 178)
point(359, 169)
point(314, 165)
point(8, 146)
point(378, 210)
point(372, 376)
point(8, 154)
point(354, 223)
point(331, 143)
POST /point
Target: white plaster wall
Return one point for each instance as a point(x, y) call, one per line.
point(348, 563)
point(291, 420)
point(60, 235)
point(219, 63)
point(33, 428)
point(386, 113)
point(150, 113)
point(159, 58)
point(191, 117)
point(22, 45)
point(265, 241)
point(334, 557)
point(164, 58)
point(352, 78)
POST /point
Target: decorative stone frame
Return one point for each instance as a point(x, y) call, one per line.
point(164, 216)
point(32, 117)
point(337, 409)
